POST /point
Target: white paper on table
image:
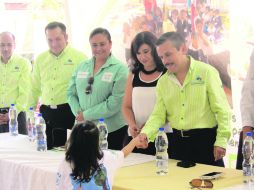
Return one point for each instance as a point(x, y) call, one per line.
point(136, 158)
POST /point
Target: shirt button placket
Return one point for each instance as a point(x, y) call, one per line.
point(182, 100)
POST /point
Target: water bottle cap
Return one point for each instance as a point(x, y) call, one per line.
point(249, 134)
point(39, 114)
point(12, 105)
point(30, 108)
point(101, 119)
point(161, 129)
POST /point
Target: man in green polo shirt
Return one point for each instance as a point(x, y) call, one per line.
point(191, 97)
point(51, 76)
point(14, 83)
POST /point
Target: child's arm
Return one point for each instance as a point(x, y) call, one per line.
point(132, 144)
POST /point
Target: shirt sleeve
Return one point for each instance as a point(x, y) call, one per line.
point(112, 104)
point(72, 95)
point(115, 157)
point(63, 177)
point(158, 116)
point(247, 98)
point(36, 85)
point(112, 160)
point(24, 87)
point(219, 106)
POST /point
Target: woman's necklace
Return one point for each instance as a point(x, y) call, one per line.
point(148, 72)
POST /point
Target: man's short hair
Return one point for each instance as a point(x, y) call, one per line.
point(174, 37)
point(9, 33)
point(53, 25)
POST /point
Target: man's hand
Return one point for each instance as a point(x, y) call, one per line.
point(80, 117)
point(219, 153)
point(143, 141)
point(4, 118)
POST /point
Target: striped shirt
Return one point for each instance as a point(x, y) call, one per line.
point(52, 74)
point(199, 103)
point(15, 82)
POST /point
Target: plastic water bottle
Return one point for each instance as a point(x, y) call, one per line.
point(247, 156)
point(103, 129)
point(161, 145)
point(41, 135)
point(13, 123)
point(31, 125)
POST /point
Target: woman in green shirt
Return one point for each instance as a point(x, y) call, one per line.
point(97, 88)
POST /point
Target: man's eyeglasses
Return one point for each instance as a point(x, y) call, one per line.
point(89, 87)
point(201, 183)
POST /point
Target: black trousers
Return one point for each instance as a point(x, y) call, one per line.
point(197, 147)
point(116, 138)
point(21, 122)
point(239, 160)
point(57, 122)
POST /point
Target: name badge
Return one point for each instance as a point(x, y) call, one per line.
point(107, 77)
point(82, 75)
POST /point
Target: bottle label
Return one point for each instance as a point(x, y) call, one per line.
point(246, 170)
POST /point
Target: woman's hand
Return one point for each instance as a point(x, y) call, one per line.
point(80, 117)
point(133, 130)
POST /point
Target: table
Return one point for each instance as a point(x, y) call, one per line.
point(143, 176)
point(24, 168)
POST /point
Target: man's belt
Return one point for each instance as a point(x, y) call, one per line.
point(56, 106)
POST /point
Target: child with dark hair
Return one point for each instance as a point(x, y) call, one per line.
point(86, 166)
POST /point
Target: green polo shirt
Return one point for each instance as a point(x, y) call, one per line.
point(108, 87)
point(52, 74)
point(199, 103)
point(15, 82)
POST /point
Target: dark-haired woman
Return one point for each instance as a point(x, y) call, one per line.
point(97, 88)
point(86, 166)
point(140, 96)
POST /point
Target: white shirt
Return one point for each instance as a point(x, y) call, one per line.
point(247, 99)
point(111, 160)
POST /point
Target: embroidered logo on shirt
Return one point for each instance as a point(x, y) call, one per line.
point(107, 77)
point(16, 68)
point(69, 62)
point(198, 80)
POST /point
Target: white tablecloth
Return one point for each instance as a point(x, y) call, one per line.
point(22, 167)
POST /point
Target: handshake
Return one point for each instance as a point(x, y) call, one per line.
point(141, 141)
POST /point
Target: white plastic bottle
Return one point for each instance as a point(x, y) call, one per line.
point(103, 129)
point(31, 130)
point(41, 133)
point(161, 145)
point(13, 123)
point(247, 151)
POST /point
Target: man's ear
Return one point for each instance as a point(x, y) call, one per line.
point(66, 37)
point(184, 49)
